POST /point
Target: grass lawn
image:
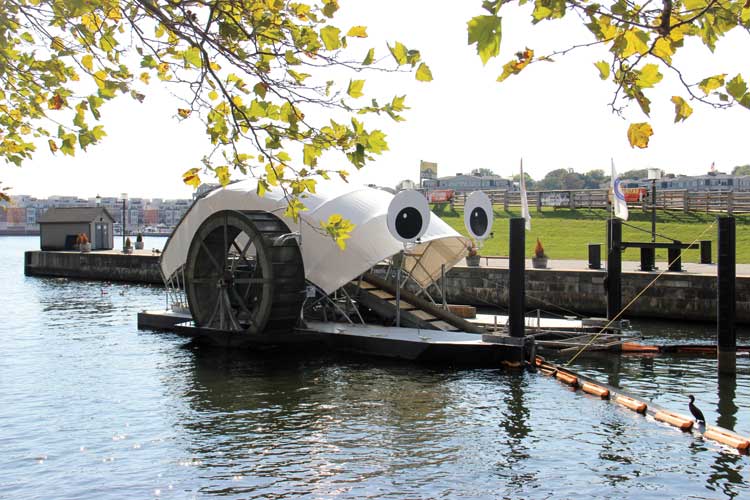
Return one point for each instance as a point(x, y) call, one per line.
point(565, 233)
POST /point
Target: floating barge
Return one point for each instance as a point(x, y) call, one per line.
point(238, 274)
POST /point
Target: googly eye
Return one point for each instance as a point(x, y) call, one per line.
point(478, 215)
point(408, 216)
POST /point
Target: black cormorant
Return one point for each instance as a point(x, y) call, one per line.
point(695, 411)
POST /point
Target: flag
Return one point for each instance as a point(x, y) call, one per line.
point(619, 205)
point(524, 200)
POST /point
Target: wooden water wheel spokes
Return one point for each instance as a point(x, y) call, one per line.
point(237, 279)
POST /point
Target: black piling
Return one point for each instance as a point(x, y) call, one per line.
point(725, 298)
point(517, 270)
point(614, 267)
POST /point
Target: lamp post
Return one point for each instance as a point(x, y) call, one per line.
point(124, 224)
point(654, 174)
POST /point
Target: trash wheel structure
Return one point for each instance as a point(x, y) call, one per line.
point(240, 266)
point(243, 274)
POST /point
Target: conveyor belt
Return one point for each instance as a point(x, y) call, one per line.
point(380, 296)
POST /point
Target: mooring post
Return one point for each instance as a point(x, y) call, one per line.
point(725, 298)
point(398, 289)
point(614, 267)
point(517, 270)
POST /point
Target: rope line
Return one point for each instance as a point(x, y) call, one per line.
point(649, 232)
point(638, 295)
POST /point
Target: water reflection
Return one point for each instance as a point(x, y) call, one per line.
point(725, 468)
point(120, 413)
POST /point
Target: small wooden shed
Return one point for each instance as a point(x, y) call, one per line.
point(59, 227)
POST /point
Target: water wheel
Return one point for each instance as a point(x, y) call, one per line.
point(244, 273)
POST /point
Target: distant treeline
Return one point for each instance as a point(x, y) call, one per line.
point(564, 178)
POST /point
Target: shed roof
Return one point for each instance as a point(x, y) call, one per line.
point(74, 214)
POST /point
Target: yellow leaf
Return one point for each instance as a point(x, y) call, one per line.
point(184, 113)
point(639, 134)
point(681, 109)
point(603, 68)
point(355, 88)
point(357, 31)
point(423, 73)
point(635, 43)
point(663, 49)
point(191, 178)
point(145, 77)
point(213, 95)
point(222, 173)
point(114, 14)
point(88, 62)
point(649, 76)
point(52, 146)
point(712, 83)
point(57, 43)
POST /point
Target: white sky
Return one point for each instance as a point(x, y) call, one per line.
point(554, 115)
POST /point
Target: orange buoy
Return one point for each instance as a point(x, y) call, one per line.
point(636, 347)
point(567, 378)
point(727, 437)
point(538, 361)
point(631, 404)
point(675, 419)
point(596, 390)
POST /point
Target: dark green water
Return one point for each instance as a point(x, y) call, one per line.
point(92, 408)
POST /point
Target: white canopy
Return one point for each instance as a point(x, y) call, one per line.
point(326, 265)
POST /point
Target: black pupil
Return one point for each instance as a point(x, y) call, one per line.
point(408, 223)
point(478, 221)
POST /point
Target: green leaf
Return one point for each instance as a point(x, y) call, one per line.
point(712, 83)
point(548, 9)
point(369, 58)
point(331, 37)
point(603, 68)
point(423, 73)
point(355, 88)
point(486, 32)
point(397, 104)
point(737, 87)
point(376, 142)
point(648, 76)
point(222, 173)
point(192, 57)
point(310, 154)
point(399, 53)
point(681, 109)
point(330, 7)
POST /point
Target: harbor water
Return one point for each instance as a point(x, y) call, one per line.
point(90, 407)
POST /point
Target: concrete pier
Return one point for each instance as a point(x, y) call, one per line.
point(567, 284)
point(141, 266)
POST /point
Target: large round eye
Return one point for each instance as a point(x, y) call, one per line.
point(478, 215)
point(408, 216)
